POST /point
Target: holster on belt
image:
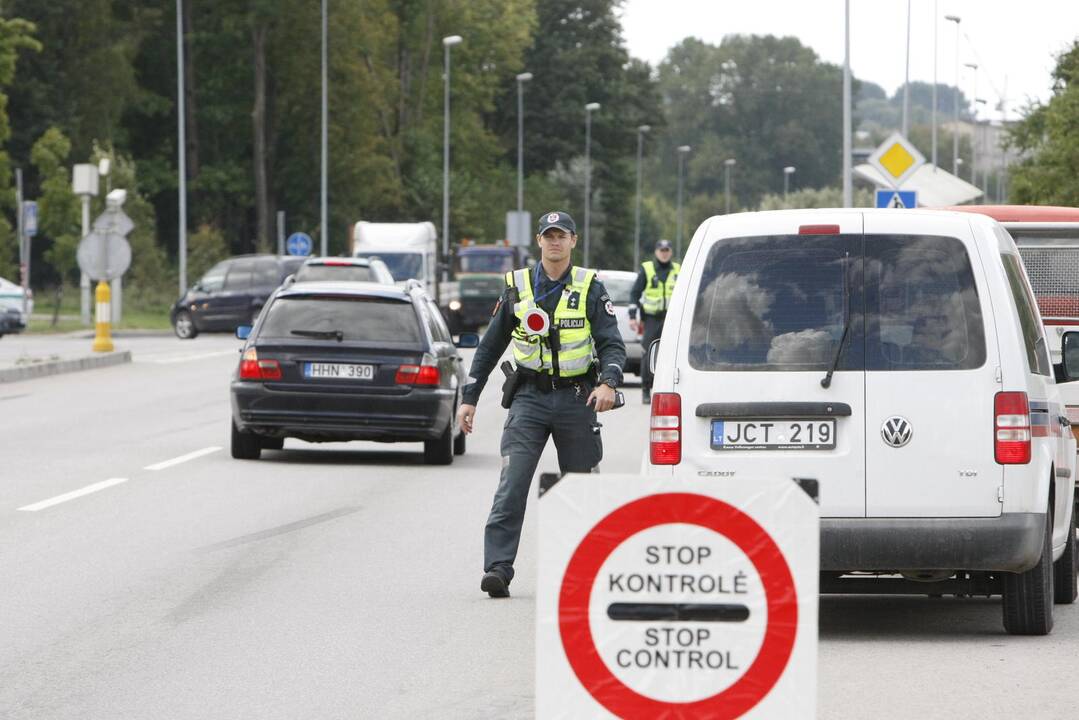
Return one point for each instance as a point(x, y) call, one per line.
point(513, 381)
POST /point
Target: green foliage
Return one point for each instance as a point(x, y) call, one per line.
point(58, 207)
point(1048, 138)
point(205, 248)
point(15, 35)
point(828, 197)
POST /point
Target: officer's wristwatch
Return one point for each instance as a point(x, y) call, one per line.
point(610, 383)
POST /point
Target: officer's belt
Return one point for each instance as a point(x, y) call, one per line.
point(546, 382)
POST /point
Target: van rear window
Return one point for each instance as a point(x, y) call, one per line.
point(779, 303)
point(358, 319)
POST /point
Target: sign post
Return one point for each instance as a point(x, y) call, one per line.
point(104, 254)
point(693, 598)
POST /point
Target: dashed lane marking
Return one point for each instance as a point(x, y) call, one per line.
point(182, 459)
point(73, 494)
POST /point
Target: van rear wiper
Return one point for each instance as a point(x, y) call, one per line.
point(327, 334)
point(827, 381)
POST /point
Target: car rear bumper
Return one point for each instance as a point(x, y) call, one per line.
point(1011, 542)
point(421, 414)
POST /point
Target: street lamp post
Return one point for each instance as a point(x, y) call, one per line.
point(787, 172)
point(974, 142)
point(973, 67)
point(521, 80)
point(682, 151)
point(181, 161)
point(848, 186)
point(727, 165)
point(936, 28)
point(955, 129)
point(447, 42)
point(906, 82)
point(323, 227)
point(588, 110)
point(641, 130)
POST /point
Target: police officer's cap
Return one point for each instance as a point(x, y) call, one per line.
point(663, 245)
point(557, 219)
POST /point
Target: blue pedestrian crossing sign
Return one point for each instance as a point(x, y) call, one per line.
point(901, 199)
point(298, 243)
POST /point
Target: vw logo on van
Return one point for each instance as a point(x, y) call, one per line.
point(896, 431)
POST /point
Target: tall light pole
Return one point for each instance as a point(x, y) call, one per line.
point(641, 130)
point(447, 42)
point(727, 165)
point(955, 130)
point(521, 80)
point(974, 108)
point(323, 222)
point(906, 82)
point(974, 142)
point(787, 172)
point(683, 150)
point(936, 32)
point(588, 110)
point(182, 164)
point(848, 187)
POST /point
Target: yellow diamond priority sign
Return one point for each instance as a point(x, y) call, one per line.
point(896, 159)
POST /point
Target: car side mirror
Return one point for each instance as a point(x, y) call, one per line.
point(471, 340)
point(653, 355)
point(243, 332)
point(1069, 344)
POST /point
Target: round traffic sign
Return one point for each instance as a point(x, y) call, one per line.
point(299, 243)
point(579, 579)
point(537, 322)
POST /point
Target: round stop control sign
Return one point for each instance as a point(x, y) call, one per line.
point(684, 601)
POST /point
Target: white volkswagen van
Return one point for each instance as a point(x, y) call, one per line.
point(898, 358)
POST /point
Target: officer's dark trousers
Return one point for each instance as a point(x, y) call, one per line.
point(534, 416)
point(653, 327)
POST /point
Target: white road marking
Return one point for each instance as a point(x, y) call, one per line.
point(182, 459)
point(73, 494)
point(173, 359)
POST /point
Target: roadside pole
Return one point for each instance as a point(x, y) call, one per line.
point(280, 233)
point(24, 254)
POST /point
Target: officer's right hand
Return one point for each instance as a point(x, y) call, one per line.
point(465, 413)
point(635, 326)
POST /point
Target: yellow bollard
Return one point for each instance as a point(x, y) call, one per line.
point(103, 338)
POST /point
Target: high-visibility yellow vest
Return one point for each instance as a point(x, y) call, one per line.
point(575, 348)
point(657, 296)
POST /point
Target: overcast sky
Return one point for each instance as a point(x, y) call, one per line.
point(1017, 40)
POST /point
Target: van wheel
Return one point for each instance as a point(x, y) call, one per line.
point(1028, 596)
point(1065, 588)
point(245, 446)
point(459, 443)
point(440, 451)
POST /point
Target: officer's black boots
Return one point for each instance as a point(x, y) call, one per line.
point(495, 585)
point(646, 395)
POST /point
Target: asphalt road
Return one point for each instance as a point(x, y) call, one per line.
point(341, 581)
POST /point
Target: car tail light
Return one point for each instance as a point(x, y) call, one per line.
point(330, 261)
point(666, 433)
point(423, 375)
point(251, 368)
point(1011, 428)
point(818, 229)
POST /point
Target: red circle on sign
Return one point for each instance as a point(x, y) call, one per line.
point(690, 509)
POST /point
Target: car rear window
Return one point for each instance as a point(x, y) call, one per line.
point(618, 288)
point(358, 319)
point(778, 303)
point(344, 273)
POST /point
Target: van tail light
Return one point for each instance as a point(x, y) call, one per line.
point(1011, 428)
point(818, 229)
point(251, 368)
point(665, 444)
point(425, 374)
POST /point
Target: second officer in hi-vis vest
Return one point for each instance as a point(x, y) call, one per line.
point(652, 294)
point(568, 356)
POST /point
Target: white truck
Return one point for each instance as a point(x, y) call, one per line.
point(410, 251)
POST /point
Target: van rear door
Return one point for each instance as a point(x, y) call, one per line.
point(931, 370)
point(770, 302)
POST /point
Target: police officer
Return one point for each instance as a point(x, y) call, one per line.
point(558, 318)
point(651, 295)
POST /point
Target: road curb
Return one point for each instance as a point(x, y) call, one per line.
point(59, 367)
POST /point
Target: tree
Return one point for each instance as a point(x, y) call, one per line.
point(1048, 138)
point(59, 222)
point(15, 35)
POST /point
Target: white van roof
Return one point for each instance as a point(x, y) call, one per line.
point(396, 234)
